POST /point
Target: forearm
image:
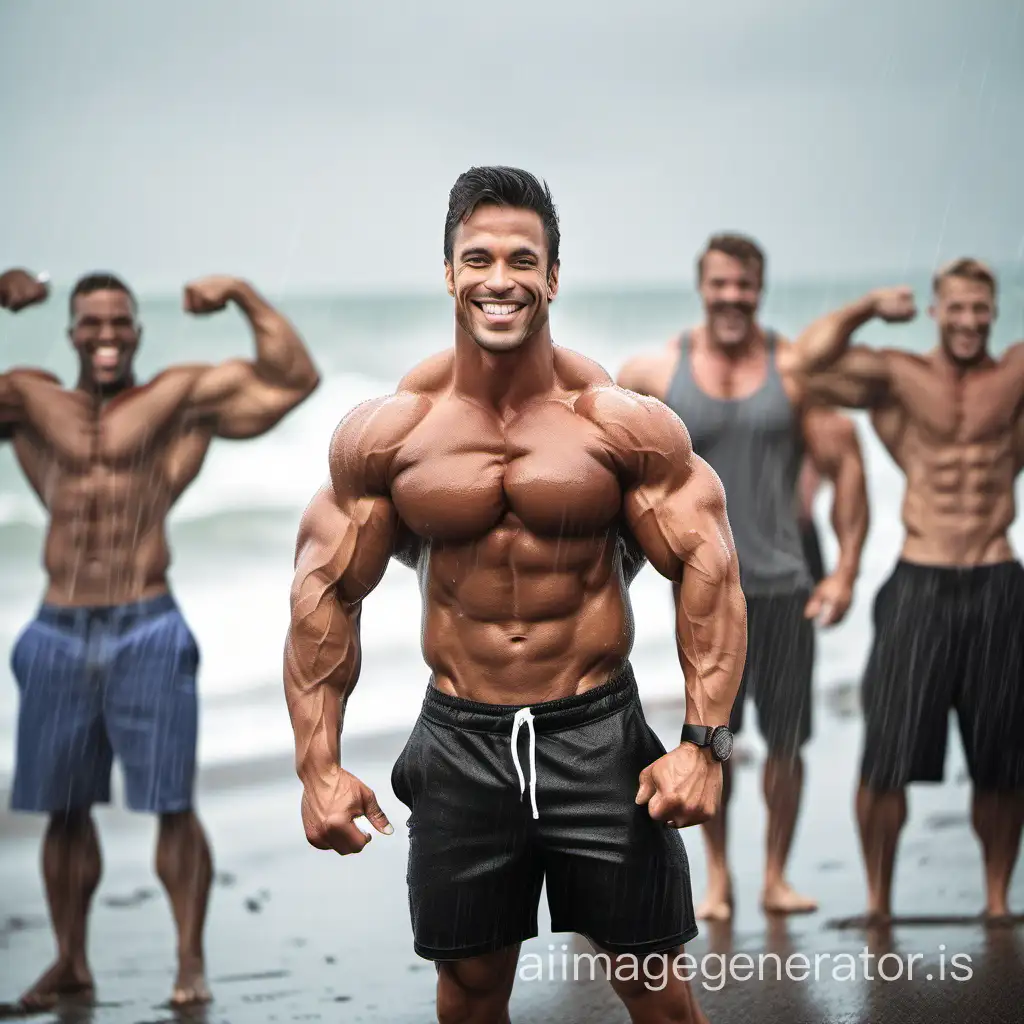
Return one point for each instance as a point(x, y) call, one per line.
point(850, 516)
point(825, 340)
point(281, 356)
point(711, 637)
point(322, 660)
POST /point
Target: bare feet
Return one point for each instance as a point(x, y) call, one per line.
point(64, 978)
point(717, 905)
point(190, 986)
point(782, 898)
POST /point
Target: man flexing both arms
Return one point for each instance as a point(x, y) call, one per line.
point(948, 622)
point(737, 385)
point(520, 481)
point(109, 665)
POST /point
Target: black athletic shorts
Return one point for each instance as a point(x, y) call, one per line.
point(479, 852)
point(946, 638)
point(778, 671)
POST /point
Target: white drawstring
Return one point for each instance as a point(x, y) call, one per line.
point(525, 715)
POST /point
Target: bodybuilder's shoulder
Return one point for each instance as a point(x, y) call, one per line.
point(577, 372)
point(368, 438)
point(649, 373)
point(31, 376)
point(433, 374)
point(635, 425)
point(1013, 357)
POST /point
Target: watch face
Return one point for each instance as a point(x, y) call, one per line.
point(721, 744)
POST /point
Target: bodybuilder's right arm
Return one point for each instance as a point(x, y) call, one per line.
point(347, 534)
point(827, 370)
point(18, 289)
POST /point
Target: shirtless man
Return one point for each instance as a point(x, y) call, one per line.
point(948, 622)
point(737, 385)
point(517, 478)
point(109, 665)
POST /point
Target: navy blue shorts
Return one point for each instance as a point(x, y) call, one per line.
point(95, 682)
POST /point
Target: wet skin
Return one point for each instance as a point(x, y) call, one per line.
point(512, 474)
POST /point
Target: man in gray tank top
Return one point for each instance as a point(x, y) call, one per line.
point(735, 386)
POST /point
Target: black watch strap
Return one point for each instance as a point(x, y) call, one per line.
point(698, 734)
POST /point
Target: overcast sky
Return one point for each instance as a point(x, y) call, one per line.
point(313, 143)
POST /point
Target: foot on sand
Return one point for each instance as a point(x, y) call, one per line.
point(782, 898)
point(65, 978)
point(190, 988)
point(717, 906)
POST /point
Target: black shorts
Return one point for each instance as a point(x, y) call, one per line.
point(946, 638)
point(478, 853)
point(778, 671)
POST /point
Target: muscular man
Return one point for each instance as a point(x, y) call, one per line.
point(948, 621)
point(737, 386)
point(518, 480)
point(109, 665)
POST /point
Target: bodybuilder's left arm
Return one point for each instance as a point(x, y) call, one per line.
point(833, 446)
point(677, 512)
point(248, 397)
point(674, 504)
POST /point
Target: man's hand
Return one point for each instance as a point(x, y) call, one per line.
point(329, 810)
point(210, 294)
point(831, 600)
point(682, 788)
point(894, 305)
point(19, 289)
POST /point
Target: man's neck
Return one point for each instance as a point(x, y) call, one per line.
point(504, 381)
point(736, 352)
point(101, 396)
point(956, 370)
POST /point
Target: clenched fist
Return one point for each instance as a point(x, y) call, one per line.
point(19, 288)
point(330, 807)
point(894, 305)
point(831, 600)
point(683, 787)
point(210, 294)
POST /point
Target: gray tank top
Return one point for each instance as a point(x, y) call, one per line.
point(755, 445)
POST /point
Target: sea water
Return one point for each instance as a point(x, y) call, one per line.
point(233, 531)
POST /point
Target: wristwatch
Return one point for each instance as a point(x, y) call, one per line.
point(718, 738)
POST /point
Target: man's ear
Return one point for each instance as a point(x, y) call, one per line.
point(553, 281)
point(449, 278)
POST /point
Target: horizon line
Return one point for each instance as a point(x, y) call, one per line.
point(590, 288)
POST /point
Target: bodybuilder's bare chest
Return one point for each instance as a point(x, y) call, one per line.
point(977, 412)
point(458, 476)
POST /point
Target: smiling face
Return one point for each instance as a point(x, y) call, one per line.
point(500, 278)
point(964, 310)
point(105, 335)
point(731, 290)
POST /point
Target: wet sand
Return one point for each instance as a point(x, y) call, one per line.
point(295, 934)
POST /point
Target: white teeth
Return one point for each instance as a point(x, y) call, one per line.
point(498, 308)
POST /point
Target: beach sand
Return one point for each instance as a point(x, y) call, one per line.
point(296, 934)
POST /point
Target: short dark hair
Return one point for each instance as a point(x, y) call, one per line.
point(739, 247)
point(98, 281)
point(967, 269)
point(502, 186)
